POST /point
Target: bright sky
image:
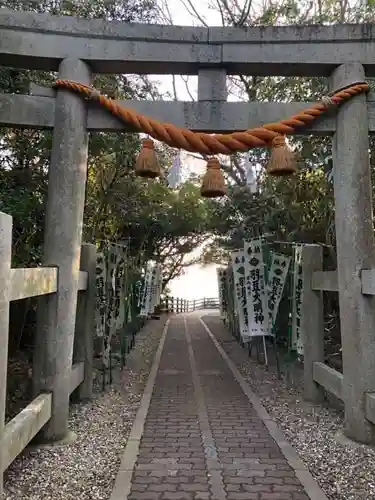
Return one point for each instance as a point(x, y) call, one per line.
point(197, 281)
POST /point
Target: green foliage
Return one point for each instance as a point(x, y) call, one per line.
point(156, 221)
point(300, 208)
point(153, 220)
point(120, 10)
point(296, 209)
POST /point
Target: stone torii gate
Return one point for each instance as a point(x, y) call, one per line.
point(77, 48)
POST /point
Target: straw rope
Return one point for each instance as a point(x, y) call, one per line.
point(208, 144)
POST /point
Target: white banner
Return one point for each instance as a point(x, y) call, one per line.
point(297, 337)
point(155, 288)
point(152, 291)
point(113, 259)
point(256, 293)
point(159, 284)
point(101, 294)
point(276, 281)
point(238, 261)
point(221, 282)
point(120, 297)
point(251, 181)
point(174, 174)
point(146, 293)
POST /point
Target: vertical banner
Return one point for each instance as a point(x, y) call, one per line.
point(174, 174)
point(230, 300)
point(221, 281)
point(140, 287)
point(112, 262)
point(251, 181)
point(143, 292)
point(101, 295)
point(238, 261)
point(112, 300)
point(159, 284)
point(152, 291)
point(256, 293)
point(297, 339)
point(130, 315)
point(146, 293)
point(276, 281)
point(155, 288)
point(120, 291)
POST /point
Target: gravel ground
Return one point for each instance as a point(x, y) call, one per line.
point(344, 470)
point(86, 469)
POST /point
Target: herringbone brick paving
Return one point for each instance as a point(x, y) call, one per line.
point(202, 438)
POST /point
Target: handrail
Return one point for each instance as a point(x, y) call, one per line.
point(177, 304)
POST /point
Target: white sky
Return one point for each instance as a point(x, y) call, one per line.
point(197, 282)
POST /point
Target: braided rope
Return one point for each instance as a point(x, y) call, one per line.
point(200, 142)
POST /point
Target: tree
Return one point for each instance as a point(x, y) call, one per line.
point(158, 223)
point(154, 222)
point(25, 153)
point(302, 208)
point(299, 209)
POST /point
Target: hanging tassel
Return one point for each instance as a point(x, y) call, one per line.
point(147, 164)
point(282, 162)
point(213, 184)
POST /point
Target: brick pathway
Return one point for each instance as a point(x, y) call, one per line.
point(202, 438)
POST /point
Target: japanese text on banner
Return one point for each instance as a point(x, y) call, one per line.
point(238, 261)
point(276, 281)
point(256, 293)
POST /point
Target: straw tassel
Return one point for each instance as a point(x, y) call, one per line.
point(213, 184)
point(282, 161)
point(147, 164)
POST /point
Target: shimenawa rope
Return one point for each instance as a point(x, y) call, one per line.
point(209, 144)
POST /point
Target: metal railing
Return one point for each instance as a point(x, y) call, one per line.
point(179, 305)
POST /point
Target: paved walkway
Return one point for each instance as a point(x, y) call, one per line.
point(201, 433)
